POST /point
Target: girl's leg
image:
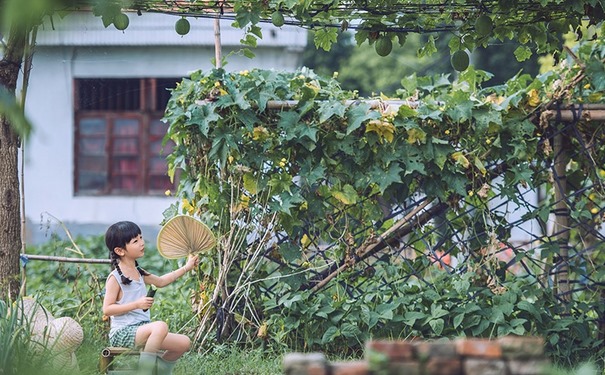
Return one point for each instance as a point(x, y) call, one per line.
point(175, 346)
point(151, 336)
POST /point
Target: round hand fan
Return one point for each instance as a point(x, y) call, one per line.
point(184, 235)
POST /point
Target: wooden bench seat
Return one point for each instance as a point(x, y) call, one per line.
point(109, 354)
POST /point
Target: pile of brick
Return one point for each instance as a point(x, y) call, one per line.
point(510, 355)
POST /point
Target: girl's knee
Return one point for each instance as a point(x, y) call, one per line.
point(184, 344)
point(160, 327)
point(187, 343)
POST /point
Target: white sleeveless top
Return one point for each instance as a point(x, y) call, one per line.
point(130, 293)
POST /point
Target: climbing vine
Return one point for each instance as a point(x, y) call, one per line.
point(337, 199)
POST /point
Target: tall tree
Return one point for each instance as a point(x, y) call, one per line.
point(20, 18)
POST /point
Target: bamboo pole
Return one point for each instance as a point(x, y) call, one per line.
point(371, 247)
point(570, 115)
point(217, 38)
point(385, 105)
point(562, 212)
point(51, 258)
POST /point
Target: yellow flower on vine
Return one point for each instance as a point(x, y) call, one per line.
point(305, 241)
point(533, 98)
point(384, 129)
point(244, 201)
point(188, 206)
point(260, 133)
point(494, 99)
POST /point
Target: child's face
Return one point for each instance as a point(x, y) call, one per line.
point(135, 248)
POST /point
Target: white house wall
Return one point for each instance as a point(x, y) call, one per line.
point(80, 47)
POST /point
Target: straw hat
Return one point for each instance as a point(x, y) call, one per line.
point(184, 235)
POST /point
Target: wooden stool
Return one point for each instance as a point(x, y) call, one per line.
point(108, 355)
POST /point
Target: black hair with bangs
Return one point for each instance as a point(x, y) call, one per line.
point(118, 235)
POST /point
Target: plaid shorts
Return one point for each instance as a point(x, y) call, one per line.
point(124, 337)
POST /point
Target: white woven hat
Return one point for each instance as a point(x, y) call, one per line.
point(184, 235)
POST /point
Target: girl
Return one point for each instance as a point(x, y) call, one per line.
point(128, 306)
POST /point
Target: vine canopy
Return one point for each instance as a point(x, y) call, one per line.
point(536, 25)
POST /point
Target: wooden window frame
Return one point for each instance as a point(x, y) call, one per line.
point(145, 116)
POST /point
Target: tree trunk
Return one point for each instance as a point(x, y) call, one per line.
point(10, 213)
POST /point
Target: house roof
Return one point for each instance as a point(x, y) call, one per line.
point(154, 29)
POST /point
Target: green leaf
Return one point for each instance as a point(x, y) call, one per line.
point(497, 315)
point(289, 298)
point(409, 83)
point(358, 114)
point(522, 53)
point(437, 326)
point(383, 178)
point(385, 311)
point(289, 251)
point(203, 116)
point(530, 308)
point(440, 153)
point(248, 53)
point(458, 320)
point(462, 286)
point(348, 195)
point(429, 47)
point(460, 106)
point(250, 183)
point(411, 317)
point(324, 38)
point(416, 135)
point(350, 330)
point(331, 108)
point(596, 71)
point(249, 40)
point(330, 334)
point(286, 202)
point(484, 117)
point(311, 173)
point(480, 328)
point(280, 182)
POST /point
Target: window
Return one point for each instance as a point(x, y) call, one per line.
point(118, 136)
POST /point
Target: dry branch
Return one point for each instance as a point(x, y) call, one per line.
point(387, 239)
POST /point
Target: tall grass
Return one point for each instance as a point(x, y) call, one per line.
point(230, 360)
point(20, 352)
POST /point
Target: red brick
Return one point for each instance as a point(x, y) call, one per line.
point(481, 366)
point(405, 368)
point(317, 369)
point(522, 346)
point(350, 368)
point(482, 348)
point(530, 367)
point(298, 363)
point(430, 349)
point(443, 366)
point(395, 350)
